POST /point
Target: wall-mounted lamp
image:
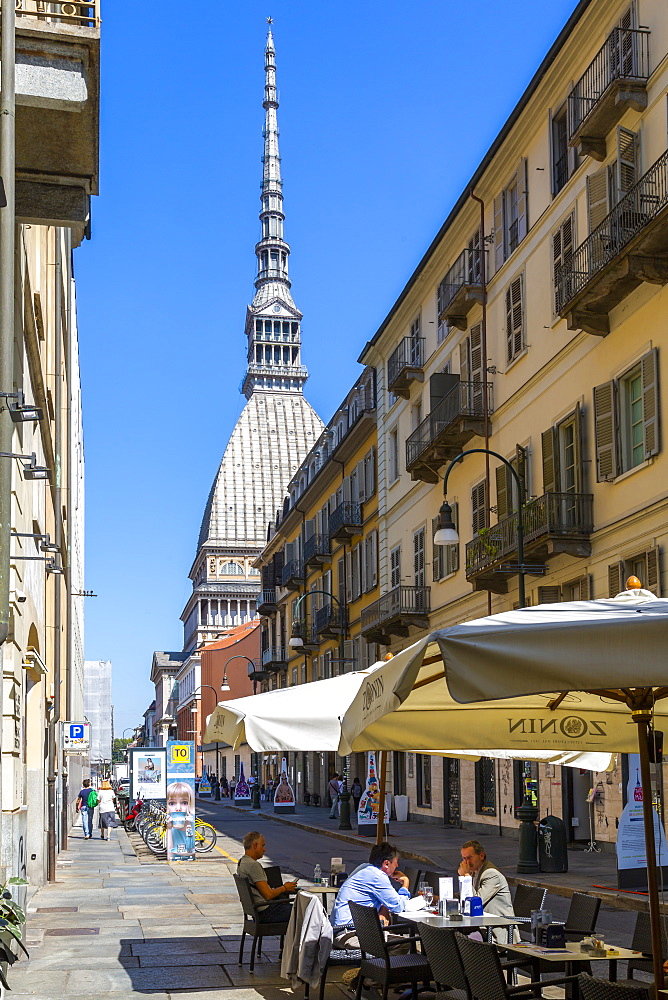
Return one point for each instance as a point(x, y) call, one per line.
point(22, 411)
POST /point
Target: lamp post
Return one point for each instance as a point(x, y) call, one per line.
point(446, 534)
point(215, 694)
point(255, 795)
point(296, 642)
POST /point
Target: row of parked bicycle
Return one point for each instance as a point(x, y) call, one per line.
point(149, 819)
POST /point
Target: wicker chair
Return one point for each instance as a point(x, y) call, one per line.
point(528, 898)
point(642, 941)
point(600, 989)
point(337, 956)
point(377, 964)
point(440, 948)
point(582, 916)
point(414, 878)
point(252, 925)
point(274, 876)
point(485, 974)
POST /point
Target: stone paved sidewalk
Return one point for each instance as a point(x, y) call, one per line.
point(110, 927)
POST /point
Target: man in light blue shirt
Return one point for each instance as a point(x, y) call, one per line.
point(370, 885)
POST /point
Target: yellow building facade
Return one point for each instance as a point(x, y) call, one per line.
point(534, 326)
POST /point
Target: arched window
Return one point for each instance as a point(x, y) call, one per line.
point(232, 569)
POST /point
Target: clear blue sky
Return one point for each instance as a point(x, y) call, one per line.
point(386, 110)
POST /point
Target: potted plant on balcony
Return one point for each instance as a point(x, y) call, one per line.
point(12, 921)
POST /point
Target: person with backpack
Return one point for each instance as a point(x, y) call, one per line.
point(86, 802)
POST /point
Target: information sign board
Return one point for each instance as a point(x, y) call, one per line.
point(76, 737)
point(148, 778)
point(180, 800)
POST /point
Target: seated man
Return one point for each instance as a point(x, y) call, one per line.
point(488, 883)
point(370, 885)
point(270, 903)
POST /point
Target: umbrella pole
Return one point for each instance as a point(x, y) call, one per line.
point(380, 825)
point(642, 719)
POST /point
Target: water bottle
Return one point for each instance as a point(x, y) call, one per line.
point(317, 875)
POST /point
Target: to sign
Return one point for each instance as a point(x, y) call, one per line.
point(180, 753)
point(76, 737)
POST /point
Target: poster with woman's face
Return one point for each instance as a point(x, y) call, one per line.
point(148, 773)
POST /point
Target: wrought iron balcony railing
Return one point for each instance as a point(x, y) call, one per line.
point(60, 11)
point(330, 619)
point(401, 602)
point(461, 288)
point(643, 203)
point(316, 550)
point(293, 573)
point(257, 671)
point(554, 515)
point(346, 520)
point(274, 658)
point(266, 601)
point(407, 357)
point(464, 400)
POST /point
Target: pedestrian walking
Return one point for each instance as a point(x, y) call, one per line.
point(356, 790)
point(333, 788)
point(225, 788)
point(107, 802)
point(84, 798)
point(233, 785)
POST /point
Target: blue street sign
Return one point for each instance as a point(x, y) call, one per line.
point(76, 731)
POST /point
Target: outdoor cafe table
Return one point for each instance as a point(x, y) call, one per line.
point(324, 891)
point(571, 956)
point(466, 923)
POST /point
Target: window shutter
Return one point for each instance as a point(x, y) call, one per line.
point(615, 577)
point(627, 160)
point(374, 559)
point(478, 508)
point(514, 319)
point(649, 367)
point(550, 448)
point(585, 589)
point(549, 595)
point(501, 492)
point(597, 197)
point(605, 426)
point(521, 456)
point(499, 233)
point(361, 485)
point(370, 473)
point(475, 338)
point(653, 582)
point(452, 551)
point(341, 580)
point(522, 200)
point(349, 578)
point(464, 374)
point(562, 257)
point(437, 562)
point(579, 450)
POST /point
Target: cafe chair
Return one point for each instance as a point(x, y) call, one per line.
point(252, 925)
point(274, 876)
point(526, 899)
point(582, 916)
point(377, 963)
point(440, 948)
point(600, 989)
point(337, 956)
point(485, 973)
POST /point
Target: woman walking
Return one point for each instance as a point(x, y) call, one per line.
point(107, 803)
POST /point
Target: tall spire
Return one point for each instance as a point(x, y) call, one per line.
point(273, 320)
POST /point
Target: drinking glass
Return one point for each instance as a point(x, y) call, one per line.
point(422, 888)
point(428, 895)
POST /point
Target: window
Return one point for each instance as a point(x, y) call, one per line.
point(418, 558)
point(416, 343)
point(423, 762)
point(515, 341)
point(574, 590)
point(479, 507)
point(562, 456)
point(395, 567)
point(564, 157)
point(644, 565)
point(399, 772)
point(416, 415)
point(626, 419)
point(562, 261)
point(393, 457)
point(507, 499)
point(485, 787)
point(446, 557)
point(370, 561)
point(510, 215)
point(294, 676)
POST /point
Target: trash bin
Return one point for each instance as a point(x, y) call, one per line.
point(552, 844)
point(401, 808)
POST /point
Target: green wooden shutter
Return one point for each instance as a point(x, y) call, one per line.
point(653, 572)
point(549, 595)
point(578, 441)
point(501, 492)
point(514, 318)
point(499, 233)
point(649, 367)
point(550, 449)
point(615, 578)
point(627, 160)
point(597, 197)
point(452, 551)
point(464, 360)
point(478, 508)
point(522, 200)
point(437, 551)
point(475, 338)
point(562, 260)
point(585, 588)
point(605, 428)
point(521, 457)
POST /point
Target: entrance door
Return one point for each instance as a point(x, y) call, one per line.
point(452, 802)
point(576, 788)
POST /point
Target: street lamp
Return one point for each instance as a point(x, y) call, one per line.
point(446, 533)
point(238, 656)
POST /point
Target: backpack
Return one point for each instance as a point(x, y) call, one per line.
point(92, 799)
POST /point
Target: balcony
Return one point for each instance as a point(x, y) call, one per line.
point(274, 659)
point(616, 79)
point(395, 613)
point(405, 366)
point(460, 289)
point(267, 603)
point(458, 417)
point(331, 621)
point(317, 551)
point(257, 671)
point(554, 524)
point(310, 637)
point(292, 577)
point(630, 246)
point(346, 521)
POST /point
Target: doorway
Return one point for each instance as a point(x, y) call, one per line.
point(452, 802)
point(576, 807)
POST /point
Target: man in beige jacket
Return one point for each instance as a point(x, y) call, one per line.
point(488, 882)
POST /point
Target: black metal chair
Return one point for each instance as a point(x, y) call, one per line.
point(252, 925)
point(600, 989)
point(528, 898)
point(440, 948)
point(273, 876)
point(642, 941)
point(485, 973)
point(582, 916)
point(377, 963)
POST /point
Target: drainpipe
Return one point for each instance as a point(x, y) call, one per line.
point(485, 381)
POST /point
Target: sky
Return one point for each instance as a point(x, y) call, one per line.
point(385, 113)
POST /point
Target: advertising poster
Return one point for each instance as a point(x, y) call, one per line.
point(631, 851)
point(242, 791)
point(204, 787)
point(180, 800)
point(367, 812)
point(147, 772)
point(284, 797)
